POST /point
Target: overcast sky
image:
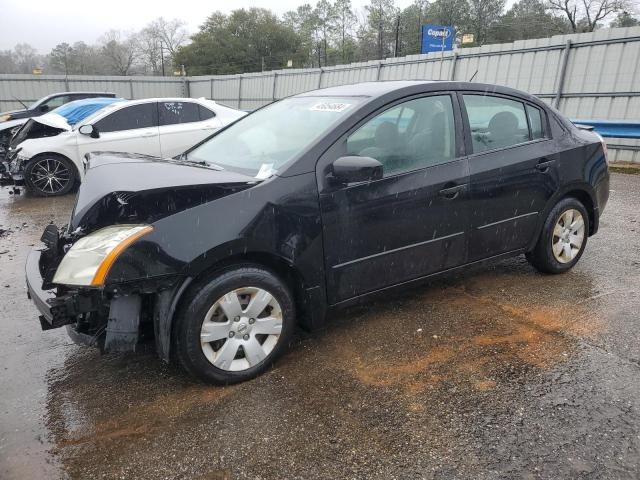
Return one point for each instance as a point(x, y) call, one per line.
point(46, 23)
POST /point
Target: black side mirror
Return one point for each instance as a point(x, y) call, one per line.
point(356, 169)
point(43, 108)
point(89, 130)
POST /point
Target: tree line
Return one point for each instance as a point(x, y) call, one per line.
point(150, 51)
point(329, 33)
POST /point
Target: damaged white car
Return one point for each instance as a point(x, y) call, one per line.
point(52, 164)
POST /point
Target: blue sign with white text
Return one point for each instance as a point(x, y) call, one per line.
point(437, 38)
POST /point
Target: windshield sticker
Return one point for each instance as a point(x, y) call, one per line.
point(330, 107)
point(266, 170)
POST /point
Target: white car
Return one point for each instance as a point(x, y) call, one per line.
point(161, 127)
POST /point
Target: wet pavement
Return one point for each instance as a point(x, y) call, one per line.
point(500, 372)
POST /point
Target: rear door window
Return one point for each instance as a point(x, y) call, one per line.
point(495, 122)
point(205, 113)
point(173, 113)
point(535, 122)
point(130, 118)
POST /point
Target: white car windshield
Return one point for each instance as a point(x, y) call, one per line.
point(263, 142)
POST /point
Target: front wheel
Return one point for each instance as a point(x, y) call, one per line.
point(49, 175)
point(563, 238)
point(232, 328)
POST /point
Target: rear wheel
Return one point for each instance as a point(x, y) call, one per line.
point(233, 327)
point(563, 238)
point(49, 175)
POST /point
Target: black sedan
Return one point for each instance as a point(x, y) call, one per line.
point(312, 203)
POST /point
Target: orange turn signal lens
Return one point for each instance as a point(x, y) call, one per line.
point(103, 270)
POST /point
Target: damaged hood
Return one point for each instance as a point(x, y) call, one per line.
point(10, 124)
point(125, 188)
point(53, 120)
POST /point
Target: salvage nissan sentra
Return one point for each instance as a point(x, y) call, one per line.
point(314, 202)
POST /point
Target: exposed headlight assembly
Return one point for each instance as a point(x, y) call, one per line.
point(88, 261)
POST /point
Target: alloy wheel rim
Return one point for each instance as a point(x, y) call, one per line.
point(50, 175)
point(241, 329)
point(568, 236)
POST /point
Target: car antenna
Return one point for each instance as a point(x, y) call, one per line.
point(20, 101)
point(473, 76)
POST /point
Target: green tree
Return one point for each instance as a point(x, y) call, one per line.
point(344, 21)
point(326, 16)
point(411, 20)
point(527, 19)
point(381, 21)
point(304, 22)
point(453, 13)
point(243, 41)
point(483, 15)
point(61, 58)
point(625, 19)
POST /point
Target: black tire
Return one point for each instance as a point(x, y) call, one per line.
point(63, 175)
point(542, 256)
point(200, 299)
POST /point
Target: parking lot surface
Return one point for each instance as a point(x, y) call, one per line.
point(499, 372)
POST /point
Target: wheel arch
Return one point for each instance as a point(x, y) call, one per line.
point(585, 198)
point(283, 269)
point(66, 157)
point(584, 194)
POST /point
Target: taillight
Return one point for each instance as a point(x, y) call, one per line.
point(605, 150)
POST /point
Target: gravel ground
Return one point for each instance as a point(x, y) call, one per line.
point(499, 372)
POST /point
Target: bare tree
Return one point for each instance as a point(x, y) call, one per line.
point(7, 62)
point(151, 49)
point(172, 33)
point(159, 41)
point(26, 57)
point(584, 15)
point(120, 51)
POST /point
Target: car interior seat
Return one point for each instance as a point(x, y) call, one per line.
point(503, 128)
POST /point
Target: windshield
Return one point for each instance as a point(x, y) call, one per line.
point(263, 142)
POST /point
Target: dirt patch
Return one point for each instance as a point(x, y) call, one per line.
point(145, 418)
point(490, 337)
point(382, 375)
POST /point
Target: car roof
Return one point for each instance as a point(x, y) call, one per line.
point(366, 89)
point(381, 88)
point(58, 94)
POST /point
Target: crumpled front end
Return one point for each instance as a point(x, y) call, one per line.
point(111, 317)
point(108, 276)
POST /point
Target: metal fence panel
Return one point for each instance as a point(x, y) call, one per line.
point(590, 75)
